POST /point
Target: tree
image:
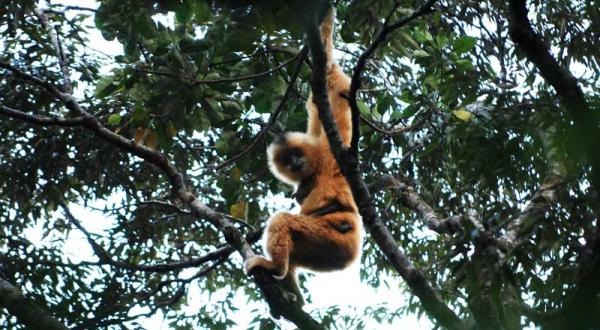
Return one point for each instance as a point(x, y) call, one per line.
point(483, 115)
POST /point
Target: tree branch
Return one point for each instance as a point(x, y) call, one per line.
point(391, 131)
point(410, 198)
point(520, 228)
point(275, 294)
point(430, 300)
point(27, 312)
point(274, 115)
point(566, 86)
point(105, 258)
point(41, 120)
point(361, 63)
point(223, 80)
point(60, 54)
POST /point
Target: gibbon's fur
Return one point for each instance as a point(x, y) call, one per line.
point(325, 236)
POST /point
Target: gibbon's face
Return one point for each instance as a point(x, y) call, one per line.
point(290, 158)
point(294, 160)
point(290, 164)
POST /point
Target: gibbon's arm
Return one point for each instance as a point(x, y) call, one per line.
point(337, 83)
point(326, 28)
point(294, 157)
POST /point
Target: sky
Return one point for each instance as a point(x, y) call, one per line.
point(343, 289)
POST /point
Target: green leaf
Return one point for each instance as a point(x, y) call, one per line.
point(183, 13)
point(464, 44)
point(464, 65)
point(383, 103)
point(407, 39)
point(423, 36)
point(202, 11)
point(106, 86)
point(224, 144)
point(364, 109)
point(420, 53)
point(114, 119)
point(263, 105)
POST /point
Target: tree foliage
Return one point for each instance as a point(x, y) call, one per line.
point(491, 185)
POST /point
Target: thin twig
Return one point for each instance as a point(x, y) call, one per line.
point(41, 120)
point(221, 80)
point(60, 54)
point(275, 293)
point(361, 63)
point(274, 115)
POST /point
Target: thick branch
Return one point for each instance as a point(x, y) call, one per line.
point(27, 312)
point(274, 293)
point(413, 201)
point(566, 86)
point(432, 303)
point(520, 228)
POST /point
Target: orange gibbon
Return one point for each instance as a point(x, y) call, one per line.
point(325, 236)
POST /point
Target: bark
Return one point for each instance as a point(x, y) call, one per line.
point(348, 163)
point(587, 133)
point(277, 297)
point(29, 314)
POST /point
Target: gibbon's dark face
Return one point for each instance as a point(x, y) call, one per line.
point(293, 159)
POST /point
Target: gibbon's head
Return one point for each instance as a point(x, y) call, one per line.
point(291, 158)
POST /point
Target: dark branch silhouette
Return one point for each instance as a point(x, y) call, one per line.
point(361, 63)
point(565, 84)
point(27, 312)
point(274, 115)
point(348, 163)
point(275, 294)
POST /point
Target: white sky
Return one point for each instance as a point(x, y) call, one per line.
point(343, 289)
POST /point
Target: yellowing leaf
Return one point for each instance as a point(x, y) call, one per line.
point(151, 138)
point(462, 114)
point(139, 135)
point(171, 129)
point(236, 174)
point(238, 210)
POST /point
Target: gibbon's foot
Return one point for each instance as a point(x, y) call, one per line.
point(260, 261)
point(250, 263)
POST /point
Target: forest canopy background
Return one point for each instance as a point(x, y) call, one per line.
point(476, 172)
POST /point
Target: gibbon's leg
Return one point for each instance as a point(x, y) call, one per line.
point(293, 157)
point(279, 245)
point(318, 243)
point(312, 242)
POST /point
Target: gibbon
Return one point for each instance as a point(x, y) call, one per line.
point(325, 236)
